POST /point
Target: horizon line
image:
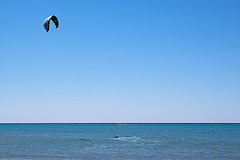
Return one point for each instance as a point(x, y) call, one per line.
point(119, 122)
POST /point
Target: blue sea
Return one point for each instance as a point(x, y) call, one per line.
point(135, 141)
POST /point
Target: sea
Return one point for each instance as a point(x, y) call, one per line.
point(135, 141)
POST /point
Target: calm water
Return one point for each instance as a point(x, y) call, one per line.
point(136, 141)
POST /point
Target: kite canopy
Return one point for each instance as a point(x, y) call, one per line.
point(47, 22)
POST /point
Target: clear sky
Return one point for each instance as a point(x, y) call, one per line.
point(120, 61)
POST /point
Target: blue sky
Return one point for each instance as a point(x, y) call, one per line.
point(120, 61)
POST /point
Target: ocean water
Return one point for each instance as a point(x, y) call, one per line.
point(135, 141)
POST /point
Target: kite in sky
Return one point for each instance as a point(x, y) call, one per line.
point(47, 22)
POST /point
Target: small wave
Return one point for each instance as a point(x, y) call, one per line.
point(95, 147)
point(89, 148)
point(20, 156)
point(160, 142)
point(153, 141)
point(129, 138)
